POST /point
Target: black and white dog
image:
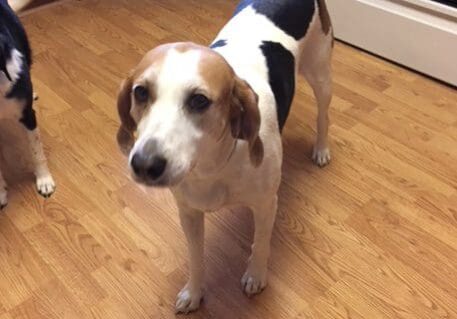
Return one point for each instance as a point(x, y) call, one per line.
point(16, 95)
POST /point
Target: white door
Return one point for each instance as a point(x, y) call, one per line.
point(420, 34)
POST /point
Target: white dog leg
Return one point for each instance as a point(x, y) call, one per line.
point(189, 298)
point(323, 93)
point(255, 277)
point(44, 181)
point(315, 65)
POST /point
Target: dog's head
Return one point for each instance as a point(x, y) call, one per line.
point(180, 101)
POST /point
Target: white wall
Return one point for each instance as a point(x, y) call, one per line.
point(420, 34)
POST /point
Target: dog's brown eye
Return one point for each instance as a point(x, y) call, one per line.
point(198, 102)
point(141, 94)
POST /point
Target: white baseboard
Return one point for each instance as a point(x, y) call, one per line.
point(420, 34)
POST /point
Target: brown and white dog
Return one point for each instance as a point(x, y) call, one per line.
point(206, 122)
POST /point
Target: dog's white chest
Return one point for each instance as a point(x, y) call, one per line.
point(204, 196)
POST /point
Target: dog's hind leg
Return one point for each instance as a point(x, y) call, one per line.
point(315, 66)
point(44, 182)
point(255, 278)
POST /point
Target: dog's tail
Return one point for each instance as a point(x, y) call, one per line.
point(19, 5)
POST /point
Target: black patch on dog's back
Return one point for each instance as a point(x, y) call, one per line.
point(218, 44)
point(243, 4)
point(281, 75)
point(291, 16)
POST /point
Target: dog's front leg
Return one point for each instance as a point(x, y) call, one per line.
point(192, 222)
point(255, 277)
point(44, 182)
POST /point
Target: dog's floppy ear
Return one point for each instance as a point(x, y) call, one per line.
point(245, 119)
point(125, 137)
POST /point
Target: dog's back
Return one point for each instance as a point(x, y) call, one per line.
point(266, 42)
point(291, 16)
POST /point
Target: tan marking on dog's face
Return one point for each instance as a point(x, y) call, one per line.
point(217, 77)
point(218, 80)
point(237, 102)
point(152, 58)
point(217, 74)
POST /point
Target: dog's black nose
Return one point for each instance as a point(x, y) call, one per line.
point(157, 167)
point(137, 163)
point(148, 166)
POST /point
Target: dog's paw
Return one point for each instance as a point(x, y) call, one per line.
point(45, 185)
point(188, 300)
point(3, 197)
point(254, 282)
point(321, 157)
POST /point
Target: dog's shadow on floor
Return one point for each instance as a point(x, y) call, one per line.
point(229, 237)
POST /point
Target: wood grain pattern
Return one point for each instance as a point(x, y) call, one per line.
point(373, 235)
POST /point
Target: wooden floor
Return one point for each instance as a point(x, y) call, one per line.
point(373, 235)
